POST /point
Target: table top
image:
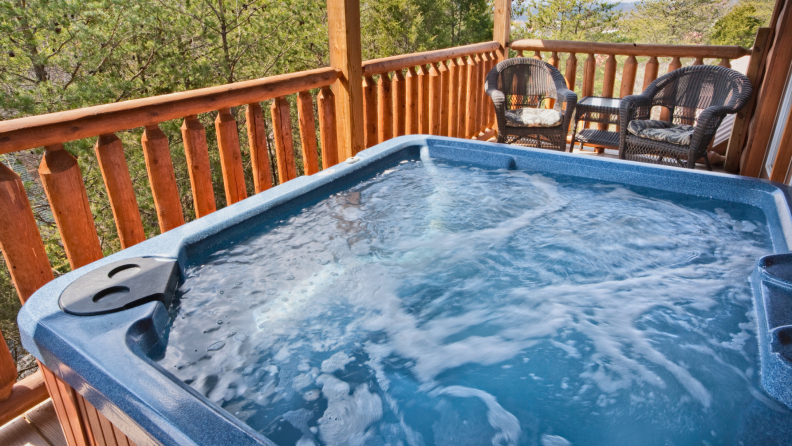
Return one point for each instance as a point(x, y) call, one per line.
point(600, 102)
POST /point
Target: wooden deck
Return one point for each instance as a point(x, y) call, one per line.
point(37, 427)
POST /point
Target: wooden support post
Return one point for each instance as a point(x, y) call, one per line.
point(423, 99)
point(444, 97)
point(725, 63)
point(502, 27)
point(327, 127)
point(305, 114)
point(370, 111)
point(784, 154)
point(554, 60)
point(665, 113)
point(589, 70)
point(537, 55)
point(472, 99)
point(698, 61)
point(120, 192)
point(399, 104)
point(628, 76)
point(197, 153)
point(413, 125)
point(259, 153)
point(481, 119)
point(741, 121)
point(63, 183)
point(454, 101)
point(230, 156)
point(8, 370)
point(384, 109)
point(608, 83)
point(162, 178)
point(571, 71)
point(434, 100)
point(343, 26)
point(463, 97)
point(284, 146)
point(650, 72)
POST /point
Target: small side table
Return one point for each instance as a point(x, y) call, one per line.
point(601, 110)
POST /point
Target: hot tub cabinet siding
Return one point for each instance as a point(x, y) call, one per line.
point(106, 357)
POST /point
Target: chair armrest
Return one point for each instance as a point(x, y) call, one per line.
point(569, 98)
point(632, 107)
point(706, 125)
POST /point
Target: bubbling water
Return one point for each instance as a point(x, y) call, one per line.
point(439, 303)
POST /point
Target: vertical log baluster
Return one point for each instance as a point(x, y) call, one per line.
point(384, 108)
point(162, 178)
point(412, 125)
point(282, 133)
point(520, 53)
point(589, 70)
point(608, 83)
point(454, 94)
point(259, 152)
point(423, 99)
point(445, 77)
point(63, 184)
point(230, 156)
point(327, 127)
point(491, 120)
point(197, 153)
point(724, 63)
point(554, 60)
point(665, 113)
point(472, 99)
point(650, 72)
point(537, 55)
point(483, 98)
point(479, 91)
point(120, 192)
point(698, 61)
point(628, 76)
point(433, 99)
point(399, 104)
point(370, 111)
point(571, 71)
point(8, 370)
point(305, 114)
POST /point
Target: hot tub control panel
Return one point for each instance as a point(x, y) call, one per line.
point(772, 284)
point(121, 285)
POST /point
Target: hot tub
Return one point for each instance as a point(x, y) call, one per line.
point(439, 291)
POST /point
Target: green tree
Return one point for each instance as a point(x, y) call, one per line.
point(739, 25)
point(583, 20)
point(673, 21)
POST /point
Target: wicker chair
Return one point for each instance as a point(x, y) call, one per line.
point(698, 98)
point(526, 85)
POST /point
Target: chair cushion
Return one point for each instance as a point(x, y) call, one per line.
point(662, 131)
point(533, 117)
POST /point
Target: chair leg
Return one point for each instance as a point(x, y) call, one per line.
point(707, 162)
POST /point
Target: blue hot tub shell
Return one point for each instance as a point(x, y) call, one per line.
point(105, 357)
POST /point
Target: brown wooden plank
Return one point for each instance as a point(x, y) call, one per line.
point(454, 98)
point(54, 128)
point(399, 104)
point(784, 154)
point(307, 124)
point(70, 400)
point(370, 111)
point(162, 178)
point(650, 71)
point(384, 108)
point(91, 421)
point(423, 99)
point(282, 134)
point(632, 49)
point(412, 105)
point(259, 153)
point(393, 63)
point(230, 156)
point(445, 77)
point(502, 27)
point(24, 396)
point(196, 152)
point(72, 429)
point(20, 240)
point(120, 192)
point(571, 71)
point(434, 100)
point(343, 26)
point(472, 99)
point(741, 121)
point(62, 181)
point(327, 127)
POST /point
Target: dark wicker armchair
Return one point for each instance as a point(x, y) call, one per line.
point(698, 98)
point(520, 88)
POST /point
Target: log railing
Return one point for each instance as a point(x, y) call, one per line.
point(436, 92)
point(678, 54)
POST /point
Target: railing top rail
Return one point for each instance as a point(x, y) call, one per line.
point(387, 64)
point(53, 128)
point(632, 49)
